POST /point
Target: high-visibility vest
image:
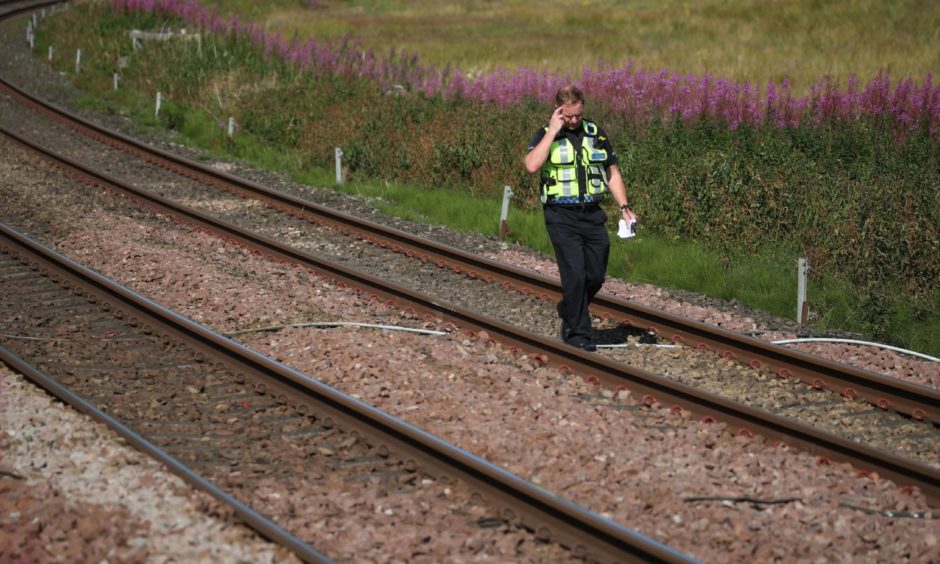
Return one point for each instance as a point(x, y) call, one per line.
point(569, 173)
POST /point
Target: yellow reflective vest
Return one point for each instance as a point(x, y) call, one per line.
point(575, 174)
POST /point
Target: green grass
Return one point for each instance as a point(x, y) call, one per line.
point(761, 281)
point(458, 210)
point(751, 40)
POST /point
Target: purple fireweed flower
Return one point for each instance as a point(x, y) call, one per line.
point(638, 93)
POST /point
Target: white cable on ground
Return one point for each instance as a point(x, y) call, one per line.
point(337, 324)
point(616, 346)
point(625, 345)
point(855, 342)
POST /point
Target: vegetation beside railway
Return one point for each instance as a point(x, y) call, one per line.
point(856, 193)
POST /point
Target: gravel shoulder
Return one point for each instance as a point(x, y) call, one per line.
point(71, 490)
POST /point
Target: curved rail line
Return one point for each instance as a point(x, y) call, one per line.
point(653, 388)
point(916, 401)
point(550, 516)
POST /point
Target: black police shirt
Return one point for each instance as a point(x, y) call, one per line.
point(601, 140)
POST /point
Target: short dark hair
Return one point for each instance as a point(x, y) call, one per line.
point(568, 94)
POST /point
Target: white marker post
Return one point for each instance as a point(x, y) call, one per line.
point(78, 60)
point(504, 214)
point(115, 81)
point(50, 53)
point(156, 111)
point(802, 307)
point(339, 166)
point(231, 127)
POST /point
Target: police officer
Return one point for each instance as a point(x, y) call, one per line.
point(577, 167)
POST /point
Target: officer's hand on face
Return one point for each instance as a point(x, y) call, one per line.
point(557, 121)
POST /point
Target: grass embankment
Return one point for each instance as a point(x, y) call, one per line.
point(723, 212)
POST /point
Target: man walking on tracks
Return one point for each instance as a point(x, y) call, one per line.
point(578, 167)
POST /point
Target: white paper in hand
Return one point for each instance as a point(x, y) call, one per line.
point(626, 230)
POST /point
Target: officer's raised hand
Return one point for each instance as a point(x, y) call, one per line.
point(557, 121)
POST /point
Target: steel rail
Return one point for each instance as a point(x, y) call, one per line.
point(651, 387)
point(917, 401)
point(549, 515)
point(26, 7)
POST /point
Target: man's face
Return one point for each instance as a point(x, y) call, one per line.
point(571, 114)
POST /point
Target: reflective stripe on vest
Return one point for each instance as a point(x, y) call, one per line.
point(560, 176)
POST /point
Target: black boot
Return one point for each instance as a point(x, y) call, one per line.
point(583, 343)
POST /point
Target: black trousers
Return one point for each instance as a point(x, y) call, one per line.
point(582, 247)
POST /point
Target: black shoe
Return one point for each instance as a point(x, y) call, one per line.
point(583, 344)
point(565, 332)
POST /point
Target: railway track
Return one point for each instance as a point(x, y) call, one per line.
point(472, 331)
point(241, 411)
point(651, 387)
